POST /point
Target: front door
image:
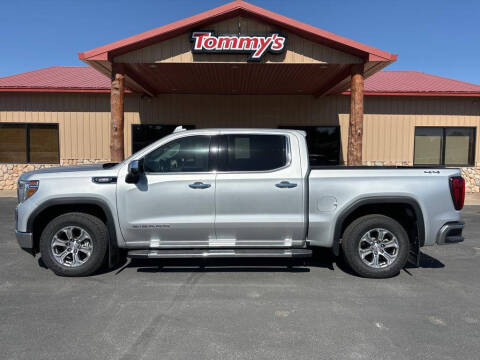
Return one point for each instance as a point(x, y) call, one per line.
point(173, 203)
point(259, 191)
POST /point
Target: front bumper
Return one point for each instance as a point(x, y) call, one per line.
point(25, 240)
point(450, 233)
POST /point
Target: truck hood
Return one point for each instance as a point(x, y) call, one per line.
point(68, 171)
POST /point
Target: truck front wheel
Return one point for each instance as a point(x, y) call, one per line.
point(74, 244)
point(375, 246)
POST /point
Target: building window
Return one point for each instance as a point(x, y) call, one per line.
point(323, 144)
point(453, 146)
point(29, 143)
point(144, 134)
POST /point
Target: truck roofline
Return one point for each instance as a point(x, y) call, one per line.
point(212, 132)
point(240, 130)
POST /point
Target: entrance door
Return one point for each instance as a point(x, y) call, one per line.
point(173, 203)
point(259, 194)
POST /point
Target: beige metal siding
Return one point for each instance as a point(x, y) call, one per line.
point(83, 120)
point(264, 111)
point(389, 121)
point(388, 126)
point(178, 49)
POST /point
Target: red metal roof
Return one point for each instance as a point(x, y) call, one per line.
point(391, 82)
point(58, 79)
point(87, 79)
point(235, 8)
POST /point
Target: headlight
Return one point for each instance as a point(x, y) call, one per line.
point(26, 188)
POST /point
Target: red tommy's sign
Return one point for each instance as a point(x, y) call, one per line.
point(206, 42)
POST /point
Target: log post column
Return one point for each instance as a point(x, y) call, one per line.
point(355, 130)
point(117, 97)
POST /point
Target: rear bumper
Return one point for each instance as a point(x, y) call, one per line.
point(25, 240)
point(450, 233)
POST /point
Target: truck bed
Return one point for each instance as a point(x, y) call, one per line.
point(372, 167)
point(333, 190)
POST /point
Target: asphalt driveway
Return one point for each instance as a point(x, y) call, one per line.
point(252, 310)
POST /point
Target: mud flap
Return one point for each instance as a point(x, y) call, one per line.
point(414, 256)
point(31, 251)
point(113, 254)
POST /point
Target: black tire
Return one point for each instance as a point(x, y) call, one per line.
point(353, 235)
point(99, 238)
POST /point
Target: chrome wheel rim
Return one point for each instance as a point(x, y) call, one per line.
point(72, 246)
point(378, 248)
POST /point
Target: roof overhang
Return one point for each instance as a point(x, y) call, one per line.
point(317, 78)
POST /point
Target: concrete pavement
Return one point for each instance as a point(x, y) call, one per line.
point(251, 310)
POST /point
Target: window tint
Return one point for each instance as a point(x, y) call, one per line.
point(29, 143)
point(428, 146)
point(146, 134)
point(13, 144)
point(254, 152)
point(459, 146)
point(187, 154)
point(44, 144)
point(444, 146)
point(323, 144)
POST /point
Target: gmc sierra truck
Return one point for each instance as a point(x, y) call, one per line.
point(235, 193)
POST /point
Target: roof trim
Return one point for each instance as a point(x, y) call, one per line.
point(73, 79)
point(419, 93)
point(54, 90)
point(107, 91)
point(234, 8)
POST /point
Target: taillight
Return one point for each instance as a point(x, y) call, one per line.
point(457, 189)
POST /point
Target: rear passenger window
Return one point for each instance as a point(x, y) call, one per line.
point(254, 152)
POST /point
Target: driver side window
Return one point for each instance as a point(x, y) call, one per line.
point(187, 154)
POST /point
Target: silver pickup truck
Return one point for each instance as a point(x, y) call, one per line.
point(235, 193)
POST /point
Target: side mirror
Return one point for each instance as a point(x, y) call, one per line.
point(135, 169)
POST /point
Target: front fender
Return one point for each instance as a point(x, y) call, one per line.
point(116, 241)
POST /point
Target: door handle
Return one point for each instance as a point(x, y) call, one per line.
point(199, 185)
point(285, 185)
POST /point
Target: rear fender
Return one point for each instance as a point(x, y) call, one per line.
point(415, 243)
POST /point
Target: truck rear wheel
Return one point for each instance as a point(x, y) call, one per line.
point(74, 244)
point(375, 246)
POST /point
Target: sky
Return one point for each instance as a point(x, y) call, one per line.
point(433, 36)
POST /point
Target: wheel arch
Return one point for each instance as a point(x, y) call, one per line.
point(368, 204)
point(52, 208)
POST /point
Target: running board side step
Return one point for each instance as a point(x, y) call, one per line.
point(219, 253)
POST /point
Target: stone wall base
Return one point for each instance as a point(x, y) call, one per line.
point(9, 173)
point(470, 174)
point(472, 179)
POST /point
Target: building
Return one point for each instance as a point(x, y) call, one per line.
point(238, 65)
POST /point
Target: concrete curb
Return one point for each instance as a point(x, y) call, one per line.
point(8, 193)
point(472, 199)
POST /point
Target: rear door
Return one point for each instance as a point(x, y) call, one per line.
point(259, 191)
